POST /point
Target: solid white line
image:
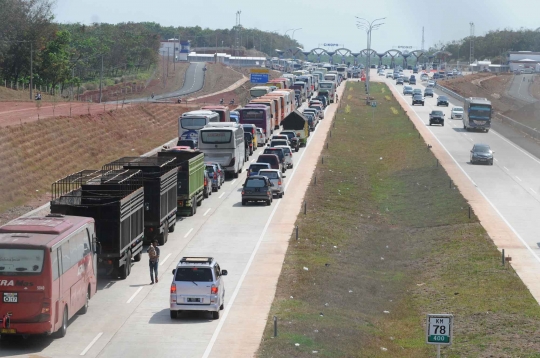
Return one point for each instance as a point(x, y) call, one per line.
point(91, 343)
point(206, 212)
point(505, 168)
point(133, 296)
point(221, 195)
point(496, 159)
point(532, 190)
point(518, 178)
point(232, 183)
point(189, 232)
point(246, 269)
point(165, 259)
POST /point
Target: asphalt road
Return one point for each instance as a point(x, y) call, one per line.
point(511, 185)
point(130, 318)
point(194, 81)
point(520, 88)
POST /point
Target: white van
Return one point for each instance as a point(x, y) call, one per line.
point(223, 143)
point(332, 77)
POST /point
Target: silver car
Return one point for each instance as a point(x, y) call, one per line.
point(261, 137)
point(288, 155)
point(276, 178)
point(457, 113)
point(197, 285)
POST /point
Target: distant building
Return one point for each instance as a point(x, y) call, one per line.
point(227, 59)
point(524, 60)
point(175, 49)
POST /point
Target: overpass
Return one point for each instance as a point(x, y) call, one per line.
point(393, 54)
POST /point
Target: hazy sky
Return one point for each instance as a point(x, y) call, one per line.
point(321, 21)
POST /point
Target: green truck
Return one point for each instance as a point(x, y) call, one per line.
point(190, 168)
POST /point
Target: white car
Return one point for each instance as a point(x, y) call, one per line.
point(261, 137)
point(197, 285)
point(276, 178)
point(431, 83)
point(288, 155)
point(456, 113)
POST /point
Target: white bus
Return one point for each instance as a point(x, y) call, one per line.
point(223, 143)
point(190, 123)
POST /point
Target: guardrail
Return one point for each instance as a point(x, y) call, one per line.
point(532, 132)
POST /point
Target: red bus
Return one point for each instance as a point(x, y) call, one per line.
point(47, 273)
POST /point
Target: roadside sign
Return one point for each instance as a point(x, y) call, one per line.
point(373, 103)
point(258, 78)
point(259, 70)
point(439, 329)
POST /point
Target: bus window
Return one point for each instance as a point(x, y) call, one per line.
point(54, 260)
point(66, 260)
point(21, 261)
point(216, 137)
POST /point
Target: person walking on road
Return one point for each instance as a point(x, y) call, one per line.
point(153, 261)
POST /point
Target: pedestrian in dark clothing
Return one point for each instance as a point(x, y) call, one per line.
point(153, 260)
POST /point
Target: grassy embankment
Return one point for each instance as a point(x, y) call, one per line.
point(386, 240)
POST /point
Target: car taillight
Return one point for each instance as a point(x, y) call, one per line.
point(205, 182)
point(45, 307)
point(173, 288)
point(214, 290)
point(242, 192)
point(267, 193)
point(279, 182)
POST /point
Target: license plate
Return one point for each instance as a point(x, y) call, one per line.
point(10, 297)
point(8, 331)
point(192, 299)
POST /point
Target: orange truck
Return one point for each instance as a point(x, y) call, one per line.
point(282, 102)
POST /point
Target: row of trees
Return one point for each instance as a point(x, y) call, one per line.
point(492, 45)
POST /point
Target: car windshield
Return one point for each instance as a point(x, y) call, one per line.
point(196, 274)
point(254, 168)
point(481, 148)
point(255, 183)
point(417, 96)
point(290, 135)
point(21, 261)
point(270, 174)
point(457, 109)
point(429, 90)
point(210, 168)
point(408, 88)
point(443, 98)
point(438, 113)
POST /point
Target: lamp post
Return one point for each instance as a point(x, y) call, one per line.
point(295, 31)
point(368, 27)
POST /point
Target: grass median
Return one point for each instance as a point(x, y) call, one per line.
point(387, 239)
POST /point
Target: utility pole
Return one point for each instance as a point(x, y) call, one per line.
point(31, 70)
point(471, 58)
point(168, 61)
point(101, 80)
point(368, 27)
point(422, 38)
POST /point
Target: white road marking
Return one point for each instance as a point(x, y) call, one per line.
point(232, 183)
point(91, 343)
point(135, 294)
point(252, 160)
point(496, 159)
point(506, 168)
point(251, 258)
point(206, 212)
point(221, 195)
point(189, 232)
point(533, 190)
point(165, 259)
point(518, 178)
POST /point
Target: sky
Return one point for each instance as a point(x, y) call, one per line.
point(320, 21)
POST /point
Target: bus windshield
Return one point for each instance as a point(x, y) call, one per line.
point(253, 114)
point(258, 92)
point(193, 123)
point(479, 112)
point(216, 137)
point(21, 261)
point(325, 85)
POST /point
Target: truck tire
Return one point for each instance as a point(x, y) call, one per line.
point(171, 228)
point(205, 193)
point(235, 175)
point(125, 270)
point(137, 257)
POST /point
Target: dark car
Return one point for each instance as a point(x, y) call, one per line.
point(442, 101)
point(436, 117)
point(412, 80)
point(406, 79)
point(415, 70)
point(271, 159)
point(207, 185)
point(281, 155)
point(417, 91)
point(399, 81)
point(255, 167)
point(482, 153)
point(248, 139)
point(293, 139)
point(428, 92)
point(257, 188)
point(417, 99)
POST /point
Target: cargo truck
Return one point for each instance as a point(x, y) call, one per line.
point(115, 200)
point(190, 178)
point(160, 183)
point(298, 123)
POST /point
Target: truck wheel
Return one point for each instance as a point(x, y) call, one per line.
point(199, 203)
point(205, 193)
point(215, 315)
point(235, 175)
point(171, 228)
point(137, 257)
point(174, 314)
point(244, 202)
point(126, 268)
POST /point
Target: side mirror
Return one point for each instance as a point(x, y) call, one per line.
point(173, 271)
point(471, 150)
point(224, 272)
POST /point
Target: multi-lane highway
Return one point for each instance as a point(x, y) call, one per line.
point(130, 318)
point(520, 87)
point(511, 186)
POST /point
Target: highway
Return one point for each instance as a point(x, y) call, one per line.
point(510, 186)
point(519, 88)
point(130, 318)
point(194, 81)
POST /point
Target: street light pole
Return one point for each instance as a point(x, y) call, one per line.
point(369, 27)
